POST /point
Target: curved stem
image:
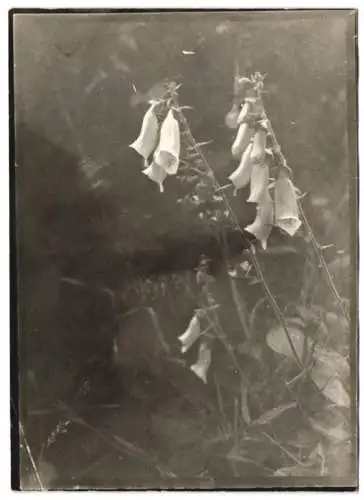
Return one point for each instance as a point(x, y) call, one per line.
point(279, 315)
point(316, 246)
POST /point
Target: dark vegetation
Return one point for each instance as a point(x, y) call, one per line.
point(106, 264)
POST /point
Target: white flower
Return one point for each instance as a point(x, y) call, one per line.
point(168, 150)
point(259, 144)
point(245, 110)
point(258, 182)
point(191, 334)
point(200, 368)
point(241, 176)
point(148, 137)
point(156, 173)
point(243, 137)
point(262, 225)
point(231, 119)
point(285, 204)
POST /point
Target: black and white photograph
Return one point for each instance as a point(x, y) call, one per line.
point(184, 249)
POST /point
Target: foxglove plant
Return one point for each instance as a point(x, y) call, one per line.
point(254, 145)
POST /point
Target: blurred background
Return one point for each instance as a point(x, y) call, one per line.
point(84, 211)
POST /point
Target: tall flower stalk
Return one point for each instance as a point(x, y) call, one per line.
point(207, 170)
point(312, 238)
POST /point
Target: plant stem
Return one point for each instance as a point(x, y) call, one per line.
point(235, 221)
point(316, 246)
point(30, 456)
point(320, 256)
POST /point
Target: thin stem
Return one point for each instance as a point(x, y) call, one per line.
point(236, 224)
point(316, 246)
point(282, 448)
point(30, 456)
point(320, 256)
point(274, 305)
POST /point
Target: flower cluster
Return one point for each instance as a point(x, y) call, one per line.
point(202, 325)
point(256, 158)
point(160, 142)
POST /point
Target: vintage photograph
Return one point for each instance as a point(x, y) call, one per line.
point(184, 249)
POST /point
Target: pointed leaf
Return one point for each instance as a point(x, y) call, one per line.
point(267, 417)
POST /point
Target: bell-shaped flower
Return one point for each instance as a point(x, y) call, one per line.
point(242, 140)
point(191, 334)
point(148, 137)
point(241, 176)
point(168, 150)
point(285, 205)
point(231, 119)
point(258, 182)
point(200, 368)
point(245, 110)
point(262, 225)
point(259, 144)
point(156, 173)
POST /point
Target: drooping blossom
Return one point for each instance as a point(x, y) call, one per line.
point(148, 136)
point(245, 110)
point(262, 225)
point(200, 368)
point(191, 334)
point(242, 140)
point(259, 179)
point(259, 144)
point(241, 176)
point(167, 152)
point(156, 173)
point(285, 204)
point(231, 119)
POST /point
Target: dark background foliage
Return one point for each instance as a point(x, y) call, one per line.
point(83, 208)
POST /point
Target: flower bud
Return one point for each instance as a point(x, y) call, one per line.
point(148, 136)
point(167, 153)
